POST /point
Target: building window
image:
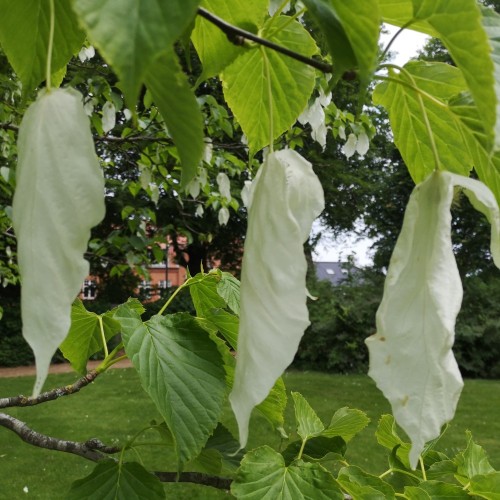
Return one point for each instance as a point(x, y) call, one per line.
point(89, 290)
point(145, 289)
point(330, 271)
point(164, 284)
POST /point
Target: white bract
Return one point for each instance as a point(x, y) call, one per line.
point(285, 199)
point(223, 216)
point(349, 148)
point(59, 197)
point(410, 355)
point(224, 185)
point(315, 116)
point(108, 117)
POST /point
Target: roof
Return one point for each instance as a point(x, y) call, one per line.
point(331, 271)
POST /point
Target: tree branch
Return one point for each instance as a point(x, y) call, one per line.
point(93, 449)
point(221, 483)
point(238, 36)
point(50, 395)
point(9, 126)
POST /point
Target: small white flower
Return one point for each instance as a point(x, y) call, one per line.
point(86, 53)
point(349, 148)
point(25, 489)
point(223, 216)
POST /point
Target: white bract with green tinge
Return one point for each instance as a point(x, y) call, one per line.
point(410, 355)
point(285, 199)
point(59, 197)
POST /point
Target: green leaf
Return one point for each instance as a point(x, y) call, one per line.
point(130, 34)
point(459, 25)
point(58, 198)
point(24, 37)
point(226, 323)
point(117, 481)
point(181, 369)
point(211, 43)
point(352, 478)
point(84, 337)
point(263, 474)
point(388, 437)
point(435, 490)
point(273, 407)
point(266, 90)
point(308, 423)
point(229, 289)
point(171, 93)
point(486, 486)
point(205, 296)
point(443, 470)
point(473, 460)
point(411, 135)
point(351, 30)
point(346, 423)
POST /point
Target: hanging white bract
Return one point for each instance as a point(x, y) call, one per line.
point(59, 197)
point(286, 197)
point(410, 355)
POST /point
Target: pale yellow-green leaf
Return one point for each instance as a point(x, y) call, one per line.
point(286, 197)
point(59, 197)
point(410, 355)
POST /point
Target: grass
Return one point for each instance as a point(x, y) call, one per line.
point(115, 408)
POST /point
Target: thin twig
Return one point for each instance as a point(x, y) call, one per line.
point(93, 449)
point(238, 36)
point(50, 395)
point(9, 126)
point(221, 483)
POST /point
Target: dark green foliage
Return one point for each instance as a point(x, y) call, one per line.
point(341, 318)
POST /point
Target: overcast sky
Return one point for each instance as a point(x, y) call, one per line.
point(404, 48)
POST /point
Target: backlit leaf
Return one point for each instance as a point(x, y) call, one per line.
point(130, 34)
point(211, 43)
point(486, 486)
point(435, 490)
point(416, 319)
point(346, 423)
point(286, 199)
point(308, 422)
point(24, 37)
point(229, 289)
point(408, 122)
point(59, 197)
point(267, 90)
point(181, 369)
point(361, 484)
point(84, 336)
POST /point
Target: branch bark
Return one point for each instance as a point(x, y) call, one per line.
point(238, 36)
point(221, 483)
point(50, 395)
point(93, 449)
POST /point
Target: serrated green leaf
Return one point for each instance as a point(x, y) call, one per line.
point(117, 481)
point(130, 34)
point(473, 460)
point(226, 323)
point(273, 407)
point(211, 43)
point(58, 199)
point(84, 337)
point(346, 423)
point(24, 37)
point(263, 474)
point(171, 93)
point(442, 470)
point(267, 90)
point(388, 437)
point(409, 123)
point(486, 486)
point(181, 369)
point(308, 422)
point(459, 25)
point(436, 490)
point(351, 30)
point(229, 289)
point(352, 477)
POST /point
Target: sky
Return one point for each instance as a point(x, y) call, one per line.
point(404, 48)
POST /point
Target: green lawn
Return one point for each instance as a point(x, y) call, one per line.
point(114, 408)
